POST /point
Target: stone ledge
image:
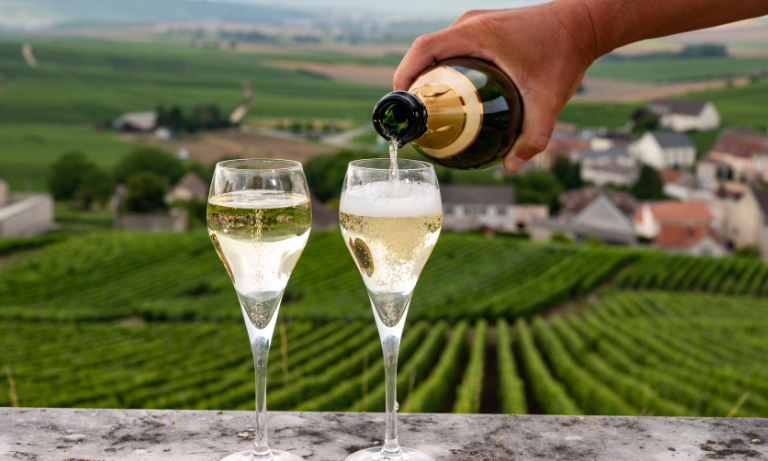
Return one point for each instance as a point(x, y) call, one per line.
point(37, 434)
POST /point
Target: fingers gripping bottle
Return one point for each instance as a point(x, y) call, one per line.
point(464, 113)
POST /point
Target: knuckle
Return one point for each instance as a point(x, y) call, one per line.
point(536, 143)
point(422, 42)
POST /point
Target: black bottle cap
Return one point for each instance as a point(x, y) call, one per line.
point(401, 116)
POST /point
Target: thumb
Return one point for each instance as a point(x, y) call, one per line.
point(538, 123)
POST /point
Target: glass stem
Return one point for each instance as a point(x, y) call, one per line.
point(260, 349)
point(391, 348)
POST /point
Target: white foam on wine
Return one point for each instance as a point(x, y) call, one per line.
point(390, 199)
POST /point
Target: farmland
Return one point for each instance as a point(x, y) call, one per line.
point(671, 70)
point(151, 321)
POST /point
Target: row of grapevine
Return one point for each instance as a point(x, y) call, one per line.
point(177, 277)
point(632, 353)
point(733, 276)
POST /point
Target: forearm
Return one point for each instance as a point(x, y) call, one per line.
point(616, 23)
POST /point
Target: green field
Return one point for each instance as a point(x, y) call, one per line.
point(680, 69)
point(82, 80)
point(742, 105)
point(83, 320)
point(29, 149)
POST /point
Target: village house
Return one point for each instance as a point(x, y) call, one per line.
point(189, 187)
point(24, 213)
point(679, 184)
point(610, 173)
point(478, 207)
point(139, 121)
point(738, 155)
point(619, 155)
point(664, 150)
point(746, 220)
point(591, 212)
point(563, 141)
point(684, 115)
point(699, 239)
point(651, 216)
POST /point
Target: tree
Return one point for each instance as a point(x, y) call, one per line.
point(538, 187)
point(643, 120)
point(74, 177)
point(145, 191)
point(149, 159)
point(325, 174)
point(568, 173)
point(749, 252)
point(649, 185)
point(67, 174)
point(96, 187)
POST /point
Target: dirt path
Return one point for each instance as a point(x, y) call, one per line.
point(610, 90)
point(347, 72)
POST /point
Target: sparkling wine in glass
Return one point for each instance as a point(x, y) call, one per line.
point(390, 221)
point(259, 219)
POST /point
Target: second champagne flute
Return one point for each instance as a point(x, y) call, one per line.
point(390, 220)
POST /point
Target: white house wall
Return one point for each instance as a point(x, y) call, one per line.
point(709, 118)
point(460, 220)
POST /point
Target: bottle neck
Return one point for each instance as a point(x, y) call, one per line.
point(400, 116)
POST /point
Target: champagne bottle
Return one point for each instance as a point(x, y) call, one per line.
point(463, 112)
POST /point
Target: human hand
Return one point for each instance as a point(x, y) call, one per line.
point(544, 49)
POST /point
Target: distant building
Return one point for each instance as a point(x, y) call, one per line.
point(591, 212)
point(189, 187)
point(476, 207)
point(698, 239)
point(24, 213)
point(738, 155)
point(746, 220)
point(679, 184)
point(651, 216)
point(563, 141)
point(139, 121)
point(175, 219)
point(685, 115)
point(164, 134)
point(619, 155)
point(664, 150)
point(610, 173)
point(322, 216)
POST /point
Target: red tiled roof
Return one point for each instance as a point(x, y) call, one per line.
point(682, 236)
point(672, 210)
point(670, 176)
point(741, 142)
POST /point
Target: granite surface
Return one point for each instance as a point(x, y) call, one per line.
point(37, 434)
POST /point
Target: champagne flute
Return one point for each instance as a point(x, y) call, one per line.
point(390, 220)
point(259, 218)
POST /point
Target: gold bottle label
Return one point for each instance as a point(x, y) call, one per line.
point(454, 108)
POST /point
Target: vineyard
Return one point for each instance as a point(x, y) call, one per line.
point(121, 320)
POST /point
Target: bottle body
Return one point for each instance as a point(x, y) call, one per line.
point(463, 113)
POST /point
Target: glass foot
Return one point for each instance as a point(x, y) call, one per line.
point(374, 454)
point(277, 455)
